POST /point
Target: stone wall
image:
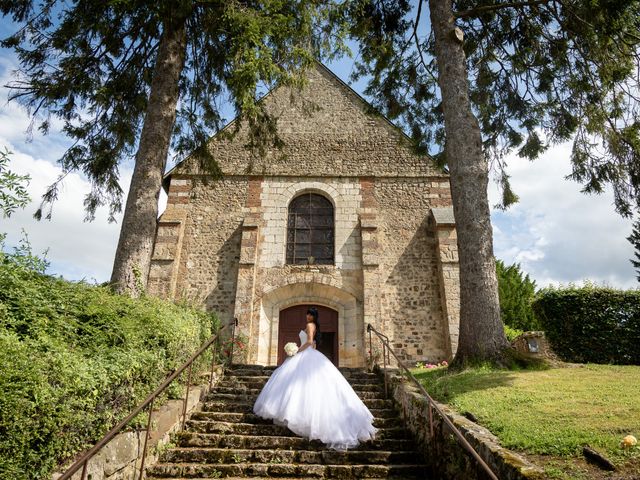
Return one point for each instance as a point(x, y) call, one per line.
point(409, 284)
point(443, 453)
point(205, 267)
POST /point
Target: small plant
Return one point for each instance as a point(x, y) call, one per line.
point(235, 346)
point(236, 458)
point(512, 333)
point(161, 448)
point(427, 365)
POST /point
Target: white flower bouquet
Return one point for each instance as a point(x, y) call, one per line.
point(291, 349)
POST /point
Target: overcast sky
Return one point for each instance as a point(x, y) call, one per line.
point(556, 233)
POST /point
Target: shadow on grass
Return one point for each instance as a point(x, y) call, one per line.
point(444, 385)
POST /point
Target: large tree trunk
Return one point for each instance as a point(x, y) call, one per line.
point(133, 256)
point(481, 332)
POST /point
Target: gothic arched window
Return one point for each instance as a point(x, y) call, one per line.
point(310, 230)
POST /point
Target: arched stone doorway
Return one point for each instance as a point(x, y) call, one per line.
point(293, 319)
point(349, 332)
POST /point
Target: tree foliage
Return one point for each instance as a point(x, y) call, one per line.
point(540, 72)
point(516, 291)
point(89, 65)
point(13, 192)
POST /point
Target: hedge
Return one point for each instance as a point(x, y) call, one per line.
point(75, 359)
point(591, 324)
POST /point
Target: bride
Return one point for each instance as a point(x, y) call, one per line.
point(309, 395)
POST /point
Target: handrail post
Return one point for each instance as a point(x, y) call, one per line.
point(146, 440)
point(214, 351)
point(233, 339)
point(384, 360)
point(370, 347)
point(83, 476)
point(430, 417)
point(186, 398)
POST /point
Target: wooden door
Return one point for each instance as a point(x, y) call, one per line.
point(294, 319)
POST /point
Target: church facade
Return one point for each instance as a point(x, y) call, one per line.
point(344, 217)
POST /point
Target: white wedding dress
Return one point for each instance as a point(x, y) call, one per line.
point(309, 395)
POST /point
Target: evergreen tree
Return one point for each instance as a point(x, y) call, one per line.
point(479, 79)
point(516, 292)
point(133, 78)
point(634, 238)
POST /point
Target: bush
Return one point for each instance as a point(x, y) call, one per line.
point(75, 359)
point(591, 324)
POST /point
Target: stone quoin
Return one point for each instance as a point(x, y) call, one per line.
point(372, 241)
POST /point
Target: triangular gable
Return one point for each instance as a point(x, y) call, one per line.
point(342, 136)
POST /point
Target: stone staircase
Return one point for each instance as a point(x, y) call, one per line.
point(225, 440)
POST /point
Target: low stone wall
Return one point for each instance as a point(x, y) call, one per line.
point(120, 458)
point(445, 456)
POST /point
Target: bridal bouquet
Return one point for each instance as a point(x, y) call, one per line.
point(291, 349)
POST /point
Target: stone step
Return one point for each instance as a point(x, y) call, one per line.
point(262, 379)
point(266, 371)
point(200, 426)
point(270, 368)
point(323, 457)
point(230, 407)
point(275, 470)
point(215, 440)
point(227, 386)
point(381, 422)
point(252, 395)
point(234, 403)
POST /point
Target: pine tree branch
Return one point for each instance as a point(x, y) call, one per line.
point(476, 12)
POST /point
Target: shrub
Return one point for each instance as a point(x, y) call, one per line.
point(591, 324)
point(75, 359)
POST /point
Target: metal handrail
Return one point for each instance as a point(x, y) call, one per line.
point(386, 349)
point(83, 461)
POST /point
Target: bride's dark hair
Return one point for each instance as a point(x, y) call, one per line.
point(313, 311)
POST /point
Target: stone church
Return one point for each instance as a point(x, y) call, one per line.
point(344, 217)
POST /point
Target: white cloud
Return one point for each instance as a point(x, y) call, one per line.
point(558, 234)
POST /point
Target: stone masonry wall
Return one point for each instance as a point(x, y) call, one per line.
point(210, 247)
point(409, 286)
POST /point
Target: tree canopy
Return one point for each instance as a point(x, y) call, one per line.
point(89, 64)
point(540, 72)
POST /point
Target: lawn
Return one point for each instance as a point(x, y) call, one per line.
point(550, 413)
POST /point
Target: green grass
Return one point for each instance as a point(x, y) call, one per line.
point(548, 412)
